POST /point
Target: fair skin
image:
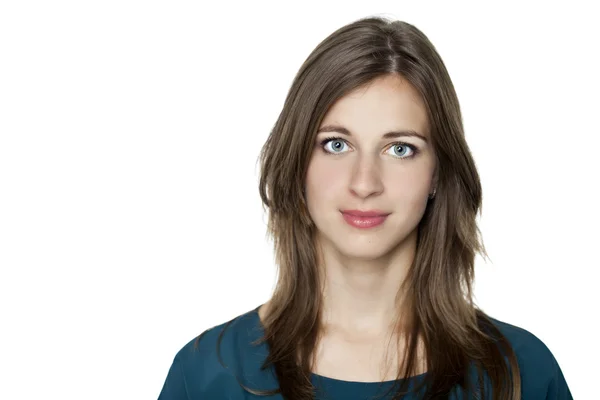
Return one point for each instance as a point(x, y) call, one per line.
point(363, 268)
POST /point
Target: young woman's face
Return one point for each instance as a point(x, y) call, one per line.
point(373, 163)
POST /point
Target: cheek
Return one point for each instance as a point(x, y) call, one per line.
point(411, 183)
point(323, 182)
point(408, 189)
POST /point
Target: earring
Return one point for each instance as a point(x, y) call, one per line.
point(432, 195)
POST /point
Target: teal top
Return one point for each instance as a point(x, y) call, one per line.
point(197, 373)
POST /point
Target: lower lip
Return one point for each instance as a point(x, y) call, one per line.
point(364, 222)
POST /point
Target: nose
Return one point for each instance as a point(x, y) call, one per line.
point(366, 177)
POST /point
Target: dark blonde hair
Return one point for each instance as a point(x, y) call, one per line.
point(438, 287)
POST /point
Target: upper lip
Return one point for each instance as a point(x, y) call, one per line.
point(366, 213)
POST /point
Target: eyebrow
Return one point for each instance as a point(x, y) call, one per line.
point(387, 135)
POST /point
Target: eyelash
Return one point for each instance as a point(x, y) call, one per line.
point(326, 140)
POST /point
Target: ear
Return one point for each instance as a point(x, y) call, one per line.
point(434, 184)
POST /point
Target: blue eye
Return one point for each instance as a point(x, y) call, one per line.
point(402, 149)
point(337, 145)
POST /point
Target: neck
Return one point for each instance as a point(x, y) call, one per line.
point(363, 297)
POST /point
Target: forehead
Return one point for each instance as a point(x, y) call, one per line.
point(386, 103)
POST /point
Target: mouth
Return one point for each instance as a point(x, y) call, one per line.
point(364, 219)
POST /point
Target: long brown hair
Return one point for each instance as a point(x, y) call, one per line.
point(438, 286)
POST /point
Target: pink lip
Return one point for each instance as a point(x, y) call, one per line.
point(368, 213)
point(364, 219)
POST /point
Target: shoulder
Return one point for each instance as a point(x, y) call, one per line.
point(209, 363)
point(539, 369)
point(525, 344)
point(219, 343)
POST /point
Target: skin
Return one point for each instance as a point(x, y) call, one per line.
point(363, 268)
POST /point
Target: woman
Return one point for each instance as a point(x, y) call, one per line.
point(372, 196)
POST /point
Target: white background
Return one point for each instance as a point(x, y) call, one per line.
point(130, 219)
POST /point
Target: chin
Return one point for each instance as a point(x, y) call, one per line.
point(369, 245)
point(364, 249)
